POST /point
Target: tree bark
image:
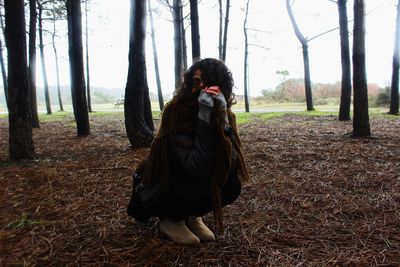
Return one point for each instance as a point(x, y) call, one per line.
point(20, 124)
point(303, 41)
point(137, 129)
point(44, 73)
point(361, 126)
point(345, 97)
point(307, 79)
point(246, 54)
point(32, 61)
point(155, 57)
point(87, 60)
point(53, 37)
point(184, 46)
point(4, 75)
point(148, 114)
point(177, 5)
point(194, 19)
point(226, 30)
point(75, 50)
point(2, 65)
point(394, 97)
point(220, 33)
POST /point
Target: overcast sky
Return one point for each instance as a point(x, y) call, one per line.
point(273, 43)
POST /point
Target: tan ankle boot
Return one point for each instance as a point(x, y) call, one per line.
point(178, 232)
point(196, 225)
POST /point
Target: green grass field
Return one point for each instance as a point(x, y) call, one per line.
point(258, 110)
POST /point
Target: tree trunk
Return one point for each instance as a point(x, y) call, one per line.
point(246, 54)
point(307, 79)
point(194, 19)
point(87, 60)
point(4, 76)
point(2, 65)
point(345, 97)
point(137, 129)
point(53, 37)
point(360, 118)
point(226, 30)
point(394, 99)
point(155, 56)
point(178, 42)
point(20, 124)
point(184, 46)
point(148, 114)
point(220, 33)
point(75, 50)
point(32, 61)
point(44, 74)
point(303, 41)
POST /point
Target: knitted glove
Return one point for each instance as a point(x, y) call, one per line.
point(220, 99)
point(221, 102)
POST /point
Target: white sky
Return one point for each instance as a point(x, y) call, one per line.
point(109, 42)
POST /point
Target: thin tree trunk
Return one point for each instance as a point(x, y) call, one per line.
point(307, 79)
point(246, 54)
point(155, 56)
point(3, 67)
point(20, 124)
point(226, 31)
point(53, 37)
point(75, 50)
point(220, 33)
point(137, 129)
point(4, 76)
point(44, 74)
point(87, 60)
point(184, 46)
point(303, 41)
point(32, 61)
point(345, 97)
point(194, 19)
point(361, 126)
point(177, 42)
point(394, 98)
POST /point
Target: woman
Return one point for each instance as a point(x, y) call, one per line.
point(195, 162)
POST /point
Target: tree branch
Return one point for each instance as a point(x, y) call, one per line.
point(336, 28)
point(256, 30)
point(297, 31)
point(260, 46)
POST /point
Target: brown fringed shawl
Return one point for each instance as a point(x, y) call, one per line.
point(182, 118)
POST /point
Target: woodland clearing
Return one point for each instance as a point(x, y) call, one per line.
point(318, 197)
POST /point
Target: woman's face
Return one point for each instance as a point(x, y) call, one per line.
point(197, 81)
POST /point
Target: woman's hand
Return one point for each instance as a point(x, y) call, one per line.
point(215, 92)
point(206, 99)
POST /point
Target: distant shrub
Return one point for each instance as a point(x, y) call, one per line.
point(383, 97)
point(321, 102)
point(102, 98)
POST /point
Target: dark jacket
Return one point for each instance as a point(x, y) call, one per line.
point(193, 154)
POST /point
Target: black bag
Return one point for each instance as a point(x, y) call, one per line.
point(143, 199)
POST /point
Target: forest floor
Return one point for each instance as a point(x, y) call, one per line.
point(318, 197)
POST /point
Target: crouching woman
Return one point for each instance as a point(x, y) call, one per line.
point(195, 163)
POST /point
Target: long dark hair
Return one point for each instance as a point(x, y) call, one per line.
point(214, 72)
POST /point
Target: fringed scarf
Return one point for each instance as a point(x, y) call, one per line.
point(180, 118)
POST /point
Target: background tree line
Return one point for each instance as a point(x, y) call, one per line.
point(20, 88)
